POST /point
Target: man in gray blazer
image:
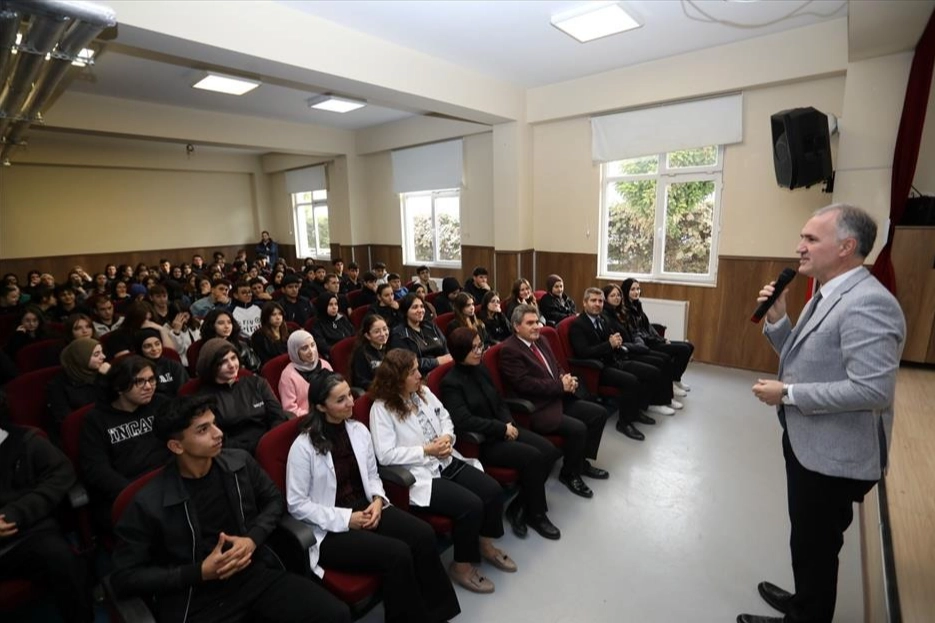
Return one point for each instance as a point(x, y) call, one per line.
point(834, 397)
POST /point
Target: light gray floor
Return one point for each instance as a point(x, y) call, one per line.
point(690, 520)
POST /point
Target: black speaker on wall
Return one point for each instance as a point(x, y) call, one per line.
point(801, 147)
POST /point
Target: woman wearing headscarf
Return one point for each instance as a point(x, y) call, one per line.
point(170, 374)
point(304, 367)
point(79, 383)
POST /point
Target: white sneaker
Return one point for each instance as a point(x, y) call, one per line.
point(661, 410)
point(678, 392)
point(675, 404)
point(682, 386)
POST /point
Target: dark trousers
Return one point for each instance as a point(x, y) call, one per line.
point(532, 455)
point(820, 508)
point(472, 499)
point(681, 353)
point(403, 550)
point(46, 559)
point(641, 384)
point(582, 428)
point(666, 365)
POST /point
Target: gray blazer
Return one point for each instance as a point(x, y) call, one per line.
point(843, 364)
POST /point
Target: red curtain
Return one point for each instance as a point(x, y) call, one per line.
point(908, 140)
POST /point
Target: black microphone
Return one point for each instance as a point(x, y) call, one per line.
point(782, 281)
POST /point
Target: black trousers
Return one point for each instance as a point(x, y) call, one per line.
point(46, 558)
point(820, 508)
point(582, 428)
point(403, 550)
point(681, 353)
point(665, 364)
point(472, 499)
point(532, 455)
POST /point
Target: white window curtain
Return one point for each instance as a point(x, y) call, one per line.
point(306, 180)
point(429, 167)
point(714, 121)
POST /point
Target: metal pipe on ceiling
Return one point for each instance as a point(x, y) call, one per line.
point(9, 26)
point(89, 12)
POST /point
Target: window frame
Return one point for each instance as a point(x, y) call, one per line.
point(664, 177)
point(408, 243)
point(303, 249)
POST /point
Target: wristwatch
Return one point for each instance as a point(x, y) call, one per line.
point(785, 390)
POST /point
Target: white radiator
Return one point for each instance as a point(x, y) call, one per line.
point(672, 314)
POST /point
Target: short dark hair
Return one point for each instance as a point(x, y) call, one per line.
point(422, 268)
point(220, 282)
point(461, 343)
point(256, 280)
point(290, 279)
point(480, 270)
point(335, 261)
point(369, 276)
point(121, 374)
point(382, 287)
point(157, 289)
point(65, 287)
point(379, 264)
point(354, 266)
point(177, 415)
point(392, 276)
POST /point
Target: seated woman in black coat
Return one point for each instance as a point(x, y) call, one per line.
point(31, 329)
point(555, 305)
point(495, 321)
point(369, 350)
point(170, 374)
point(422, 292)
point(331, 326)
point(421, 337)
point(80, 383)
point(272, 338)
point(466, 316)
point(220, 323)
point(474, 405)
point(387, 306)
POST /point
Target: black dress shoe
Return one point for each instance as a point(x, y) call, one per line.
point(576, 485)
point(642, 418)
point(541, 524)
point(516, 515)
point(776, 597)
point(756, 618)
point(630, 431)
point(594, 472)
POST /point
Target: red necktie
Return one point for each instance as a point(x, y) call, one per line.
point(538, 353)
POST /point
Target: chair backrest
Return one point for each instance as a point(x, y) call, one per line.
point(539, 294)
point(556, 344)
point(492, 363)
point(26, 397)
point(41, 354)
point(192, 356)
point(8, 324)
point(71, 433)
point(126, 496)
point(590, 377)
point(272, 452)
point(309, 324)
point(341, 355)
point(358, 315)
point(272, 370)
point(431, 296)
point(362, 407)
point(442, 321)
point(171, 353)
point(293, 326)
point(436, 376)
point(355, 298)
point(192, 385)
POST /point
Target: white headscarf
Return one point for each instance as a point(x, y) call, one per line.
point(296, 340)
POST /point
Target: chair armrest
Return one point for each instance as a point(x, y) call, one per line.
point(77, 496)
point(593, 364)
point(396, 475)
point(520, 405)
point(130, 610)
point(300, 531)
point(660, 328)
point(471, 437)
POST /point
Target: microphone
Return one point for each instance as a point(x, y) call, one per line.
point(782, 281)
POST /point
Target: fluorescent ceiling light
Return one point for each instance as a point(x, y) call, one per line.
point(334, 103)
point(85, 57)
point(226, 84)
point(595, 20)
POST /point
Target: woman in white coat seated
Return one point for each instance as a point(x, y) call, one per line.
point(332, 485)
point(411, 428)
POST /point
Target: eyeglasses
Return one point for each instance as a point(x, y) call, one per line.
point(141, 382)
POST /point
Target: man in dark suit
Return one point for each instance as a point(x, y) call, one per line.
point(834, 397)
point(530, 371)
point(641, 386)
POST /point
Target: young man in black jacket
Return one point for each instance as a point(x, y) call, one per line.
point(193, 537)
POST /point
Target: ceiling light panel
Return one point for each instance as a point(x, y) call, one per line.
point(230, 85)
point(594, 21)
point(334, 103)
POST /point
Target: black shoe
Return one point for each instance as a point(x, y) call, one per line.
point(576, 485)
point(630, 431)
point(776, 597)
point(516, 515)
point(594, 472)
point(546, 529)
point(642, 418)
point(756, 618)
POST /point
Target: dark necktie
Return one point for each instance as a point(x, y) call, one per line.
point(541, 358)
point(811, 310)
point(598, 325)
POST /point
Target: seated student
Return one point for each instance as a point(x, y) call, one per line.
point(117, 445)
point(465, 316)
point(399, 290)
point(193, 538)
point(555, 306)
point(33, 281)
point(420, 291)
point(220, 323)
point(379, 269)
point(184, 330)
point(522, 294)
point(67, 304)
point(450, 291)
point(386, 306)
point(369, 289)
point(121, 295)
point(312, 285)
point(417, 335)
point(304, 367)
point(158, 296)
point(100, 286)
point(80, 382)
point(369, 350)
point(331, 326)
point(79, 325)
point(218, 299)
point(275, 282)
point(246, 407)
point(495, 321)
point(139, 316)
point(297, 307)
point(105, 320)
point(258, 287)
point(332, 485)
point(137, 291)
point(10, 299)
point(34, 479)
point(271, 338)
point(44, 301)
point(411, 428)
point(245, 310)
point(31, 329)
point(423, 276)
point(349, 280)
point(170, 374)
point(477, 286)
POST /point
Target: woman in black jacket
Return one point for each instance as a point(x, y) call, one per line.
point(421, 337)
point(475, 406)
point(495, 321)
point(170, 375)
point(272, 338)
point(80, 382)
point(331, 326)
point(555, 305)
point(369, 350)
point(465, 311)
point(220, 323)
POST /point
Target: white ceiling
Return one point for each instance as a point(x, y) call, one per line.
point(514, 40)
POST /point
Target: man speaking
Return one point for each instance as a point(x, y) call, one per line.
point(834, 397)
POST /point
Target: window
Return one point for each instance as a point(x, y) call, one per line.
point(310, 210)
point(660, 216)
point(432, 227)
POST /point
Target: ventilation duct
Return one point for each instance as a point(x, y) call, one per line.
point(53, 34)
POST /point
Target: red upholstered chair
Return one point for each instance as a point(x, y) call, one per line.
point(355, 298)
point(587, 370)
point(71, 446)
point(171, 353)
point(468, 443)
point(358, 590)
point(26, 397)
point(431, 296)
point(272, 370)
point(192, 355)
point(309, 324)
point(539, 294)
point(192, 386)
point(293, 326)
point(358, 315)
point(8, 324)
point(16, 594)
point(41, 354)
point(341, 355)
point(442, 321)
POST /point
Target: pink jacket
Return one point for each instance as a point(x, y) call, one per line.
point(293, 389)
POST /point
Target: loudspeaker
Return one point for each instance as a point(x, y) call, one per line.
point(801, 147)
